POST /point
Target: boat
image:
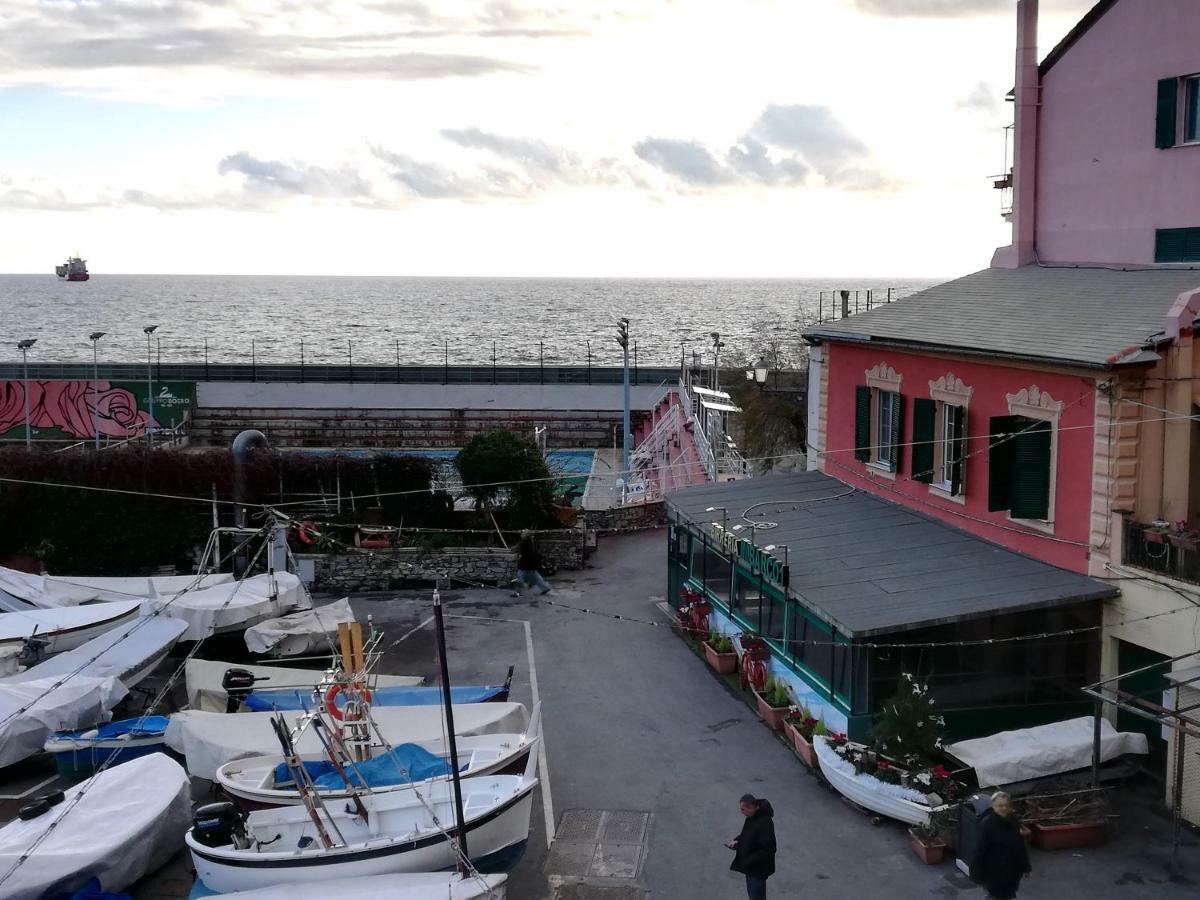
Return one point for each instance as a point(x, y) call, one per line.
point(79, 688)
point(128, 822)
point(296, 698)
point(411, 886)
point(81, 752)
point(65, 628)
point(891, 800)
point(232, 852)
point(208, 740)
point(74, 269)
point(206, 681)
point(300, 633)
point(260, 782)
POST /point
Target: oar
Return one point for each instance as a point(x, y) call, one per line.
point(318, 725)
point(303, 782)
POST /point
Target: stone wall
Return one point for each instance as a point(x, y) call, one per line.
point(627, 518)
point(382, 570)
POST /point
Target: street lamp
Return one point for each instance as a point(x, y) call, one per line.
point(759, 372)
point(717, 344)
point(94, 337)
point(24, 346)
point(623, 340)
point(149, 330)
point(724, 515)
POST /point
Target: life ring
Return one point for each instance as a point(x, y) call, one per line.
point(307, 533)
point(335, 689)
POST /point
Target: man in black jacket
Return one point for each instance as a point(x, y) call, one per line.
point(754, 849)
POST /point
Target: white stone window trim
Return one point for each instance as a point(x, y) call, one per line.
point(881, 378)
point(949, 390)
point(1034, 403)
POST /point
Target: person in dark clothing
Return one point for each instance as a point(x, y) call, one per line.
point(1000, 859)
point(754, 849)
point(529, 564)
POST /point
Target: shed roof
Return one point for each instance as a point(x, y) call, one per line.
point(1075, 315)
point(871, 567)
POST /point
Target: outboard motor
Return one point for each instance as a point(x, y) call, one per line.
point(219, 825)
point(237, 684)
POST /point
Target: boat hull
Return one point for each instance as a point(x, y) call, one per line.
point(496, 840)
point(860, 789)
point(84, 758)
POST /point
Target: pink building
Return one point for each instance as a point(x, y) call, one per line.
point(1049, 404)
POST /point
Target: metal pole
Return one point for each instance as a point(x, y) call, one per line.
point(589, 363)
point(25, 391)
point(149, 393)
point(1180, 745)
point(253, 362)
point(157, 358)
point(1097, 713)
point(302, 360)
point(397, 360)
point(206, 359)
point(493, 362)
point(350, 356)
point(449, 705)
point(636, 380)
point(445, 362)
point(625, 438)
point(541, 362)
point(95, 378)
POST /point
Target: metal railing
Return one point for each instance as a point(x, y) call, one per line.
point(1173, 555)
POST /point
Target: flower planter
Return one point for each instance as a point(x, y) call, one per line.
point(929, 852)
point(1184, 542)
point(1154, 535)
point(721, 663)
point(804, 747)
point(1068, 837)
point(772, 716)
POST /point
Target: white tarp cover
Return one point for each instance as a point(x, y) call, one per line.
point(19, 626)
point(1030, 753)
point(203, 678)
point(19, 590)
point(208, 740)
point(31, 711)
point(301, 633)
point(130, 821)
point(407, 886)
point(119, 653)
point(234, 605)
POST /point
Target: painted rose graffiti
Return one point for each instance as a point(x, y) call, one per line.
point(75, 408)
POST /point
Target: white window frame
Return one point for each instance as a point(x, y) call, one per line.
point(1034, 403)
point(882, 379)
point(884, 443)
point(1187, 84)
point(949, 390)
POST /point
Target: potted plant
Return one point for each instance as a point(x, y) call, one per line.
point(719, 653)
point(1184, 538)
point(927, 840)
point(773, 703)
point(801, 726)
point(1156, 533)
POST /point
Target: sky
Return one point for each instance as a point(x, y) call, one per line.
point(624, 138)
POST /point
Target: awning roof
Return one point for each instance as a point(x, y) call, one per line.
point(871, 567)
point(719, 407)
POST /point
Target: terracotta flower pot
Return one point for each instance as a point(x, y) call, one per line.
point(929, 852)
point(772, 716)
point(721, 663)
point(804, 747)
point(1068, 837)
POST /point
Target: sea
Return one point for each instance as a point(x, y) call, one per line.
point(414, 320)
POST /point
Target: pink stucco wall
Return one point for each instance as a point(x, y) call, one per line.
point(848, 366)
point(1102, 186)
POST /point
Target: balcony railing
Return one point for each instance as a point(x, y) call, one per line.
point(1167, 554)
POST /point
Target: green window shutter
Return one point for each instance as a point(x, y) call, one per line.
point(1177, 245)
point(862, 423)
point(1000, 461)
point(897, 431)
point(1168, 100)
point(924, 416)
point(1031, 471)
point(958, 453)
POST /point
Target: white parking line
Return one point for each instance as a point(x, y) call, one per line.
point(412, 631)
point(28, 791)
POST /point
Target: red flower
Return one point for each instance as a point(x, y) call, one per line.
point(884, 764)
point(940, 771)
point(810, 722)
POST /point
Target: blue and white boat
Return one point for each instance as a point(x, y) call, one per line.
point(290, 699)
point(80, 753)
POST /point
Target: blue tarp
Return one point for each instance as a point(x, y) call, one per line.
point(382, 771)
point(400, 695)
point(142, 727)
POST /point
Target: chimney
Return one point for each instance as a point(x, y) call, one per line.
point(1023, 251)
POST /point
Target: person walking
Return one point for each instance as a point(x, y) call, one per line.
point(1000, 859)
point(754, 849)
point(529, 565)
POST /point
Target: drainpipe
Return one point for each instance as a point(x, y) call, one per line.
point(243, 445)
point(1023, 251)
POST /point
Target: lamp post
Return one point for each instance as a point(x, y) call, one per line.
point(149, 330)
point(724, 516)
point(759, 372)
point(24, 346)
point(94, 337)
point(716, 345)
point(623, 340)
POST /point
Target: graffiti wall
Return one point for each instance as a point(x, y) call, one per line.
point(74, 410)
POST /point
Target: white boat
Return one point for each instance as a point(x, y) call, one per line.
point(129, 822)
point(412, 886)
point(22, 591)
point(253, 782)
point(205, 690)
point(892, 800)
point(300, 633)
point(81, 687)
point(208, 740)
point(280, 846)
point(65, 628)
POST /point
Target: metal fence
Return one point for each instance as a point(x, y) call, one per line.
point(1175, 556)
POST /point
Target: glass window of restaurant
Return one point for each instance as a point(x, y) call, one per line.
point(716, 572)
point(811, 645)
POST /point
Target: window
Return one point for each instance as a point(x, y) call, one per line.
point(1177, 245)
point(716, 572)
point(1019, 473)
point(879, 419)
point(1172, 93)
point(1191, 109)
point(940, 436)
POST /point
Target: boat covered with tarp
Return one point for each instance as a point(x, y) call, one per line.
point(206, 690)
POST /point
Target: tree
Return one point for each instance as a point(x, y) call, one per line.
point(501, 465)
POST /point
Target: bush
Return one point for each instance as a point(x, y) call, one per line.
point(500, 465)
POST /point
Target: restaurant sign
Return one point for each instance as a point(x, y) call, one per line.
point(757, 559)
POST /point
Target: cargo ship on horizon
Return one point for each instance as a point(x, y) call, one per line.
point(74, 269)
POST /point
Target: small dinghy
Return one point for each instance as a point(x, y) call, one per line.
point(129, 822)
point(891, 800)
point(80, 753)
point(207, 682)
point(413, 886)
point(54, 631)
point(300, 633)
point(261, 782)
point(281, 846)
point(294, 699)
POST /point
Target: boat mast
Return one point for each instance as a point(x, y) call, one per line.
point(458, 804)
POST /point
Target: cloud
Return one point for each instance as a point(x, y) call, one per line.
point(533, 155)
point(983, 98)
point(932, 8)
point(688, 161)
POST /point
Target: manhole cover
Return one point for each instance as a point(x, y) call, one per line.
point(623, 827)
point(579, 825)
point(572, 858)
point(616, 861)
point(599, 844)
